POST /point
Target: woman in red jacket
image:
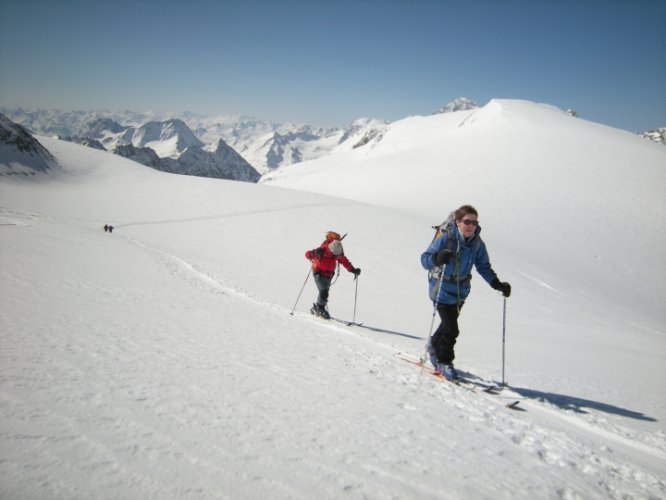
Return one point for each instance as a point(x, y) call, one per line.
point(325, 259)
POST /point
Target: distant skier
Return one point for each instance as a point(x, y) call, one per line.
point(106, 228)
point(110, 229)
point(325, 259)
point(453, 254)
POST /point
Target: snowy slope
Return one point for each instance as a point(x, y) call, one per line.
point(555, 192)
point(162, 361)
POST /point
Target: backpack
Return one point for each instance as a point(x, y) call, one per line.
point(445, 227)
point(452, 244)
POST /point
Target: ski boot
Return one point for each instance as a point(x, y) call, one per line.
point(320, 311)
point(448, 371)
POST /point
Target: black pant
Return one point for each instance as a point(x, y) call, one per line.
point(447, 332)
point(323, 284)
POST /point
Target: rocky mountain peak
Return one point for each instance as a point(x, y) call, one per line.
point(20, 152)
point(458, 104)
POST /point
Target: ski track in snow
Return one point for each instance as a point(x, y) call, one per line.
point(187, 430)
point(541, 283)
point(15, 218)
point(546, 432)
point(162, 361)
point(238, 213)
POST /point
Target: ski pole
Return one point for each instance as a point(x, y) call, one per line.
point(355, 296)
point(302, 288)
point(503, 340)
point(434, 313)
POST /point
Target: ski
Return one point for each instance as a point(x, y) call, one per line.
point(343, 321)
point(347, 323)
point(479, 387)
point(514, 405)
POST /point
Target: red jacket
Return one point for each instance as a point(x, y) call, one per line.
point(326, 265)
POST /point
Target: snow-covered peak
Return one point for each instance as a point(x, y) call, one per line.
point(20, 152)
point(101, 126)
point(360, 132)
point(657, 135)
point(458, 104)
point(264, 144)
point(510, 156)
point(168, 138)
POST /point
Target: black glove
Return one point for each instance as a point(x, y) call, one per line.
point(318, 252)
point(503, 287)
point(442, 257)
point(356, 271)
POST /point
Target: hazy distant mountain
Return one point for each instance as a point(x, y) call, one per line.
point(168, 138)
point(265, 145)
point(52, 122)
point(223, 163)
point(171, 146)
point(20, 152)
point(306, 143)
point(459, 104)
point(282, 147)
point(84, 141)
point(100, 126)
point(657, 135)
point(145, 156)
point(363, 131)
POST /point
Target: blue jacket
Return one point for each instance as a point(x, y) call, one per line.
point(456, 283)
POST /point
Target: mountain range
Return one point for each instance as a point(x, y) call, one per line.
point(160, 140)
point(233, 147)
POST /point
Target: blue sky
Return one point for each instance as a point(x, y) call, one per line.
point(328, 62)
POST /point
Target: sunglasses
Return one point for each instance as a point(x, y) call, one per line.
point(468, 222)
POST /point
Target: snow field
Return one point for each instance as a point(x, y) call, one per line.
point(162, 361)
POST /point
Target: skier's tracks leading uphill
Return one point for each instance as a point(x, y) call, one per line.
point(544, 423)
point(239, 213)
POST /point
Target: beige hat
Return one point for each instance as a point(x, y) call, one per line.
point(335, 247)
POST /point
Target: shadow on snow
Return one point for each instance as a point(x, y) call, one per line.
point(580, 405)
point(390, 332)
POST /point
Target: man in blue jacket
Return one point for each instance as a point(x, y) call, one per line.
point(450, 258)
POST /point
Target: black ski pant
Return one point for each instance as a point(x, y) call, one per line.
point(447, 332)
point(323, 284)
